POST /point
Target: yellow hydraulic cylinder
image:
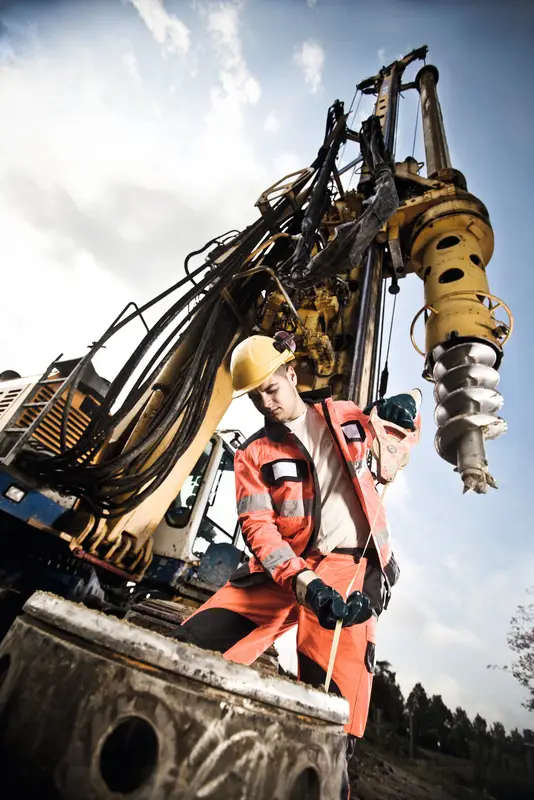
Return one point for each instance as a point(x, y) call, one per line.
point(450, 246)
point(436, 148)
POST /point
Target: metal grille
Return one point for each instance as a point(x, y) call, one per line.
point(8, 397)
point(48, 432)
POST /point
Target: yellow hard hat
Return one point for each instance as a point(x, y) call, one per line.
point(254, 360)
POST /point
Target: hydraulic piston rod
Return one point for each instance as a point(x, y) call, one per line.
point(436, 148)
point(451, 245)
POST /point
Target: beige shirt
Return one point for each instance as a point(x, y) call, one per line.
point(343, 523)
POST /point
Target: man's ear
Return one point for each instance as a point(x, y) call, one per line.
point(291, 375)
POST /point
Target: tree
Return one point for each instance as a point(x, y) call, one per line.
point(516, 742)
point(498, 733)
point(438, 721)
point(418, 706)
point(521, 642)
point(480, 727)
point(461, 734)
point(387, 695)
point(417, 701)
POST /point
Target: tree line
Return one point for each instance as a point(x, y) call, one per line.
point(467, 752)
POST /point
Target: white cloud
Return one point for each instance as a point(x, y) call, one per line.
point(224, 136)
point(381, 55)
point(104, 191)
point(119, 185)
point(398, 494)
point(311, 3)
point(448, 687)
point(285, 163)
point(450, 562)
point(237, 83)
point(445, 635)
point(169, 31)
point(130, 64)
point(309, 57)
point(272, 123)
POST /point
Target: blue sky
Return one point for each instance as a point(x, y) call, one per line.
point(138, 130)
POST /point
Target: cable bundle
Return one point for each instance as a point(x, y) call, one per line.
point(203, 324)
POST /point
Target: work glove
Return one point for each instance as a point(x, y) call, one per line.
point(359, 609)
point(327, 604)
point(400, 409)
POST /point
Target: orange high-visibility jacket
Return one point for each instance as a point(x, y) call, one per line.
point(278, 496)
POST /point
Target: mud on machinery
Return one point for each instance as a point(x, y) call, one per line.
point(119, 495)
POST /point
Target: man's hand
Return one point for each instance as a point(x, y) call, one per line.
point(327, 604)
point(359, 609)
point(400, 409)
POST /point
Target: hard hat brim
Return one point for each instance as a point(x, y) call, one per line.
point(254, 384)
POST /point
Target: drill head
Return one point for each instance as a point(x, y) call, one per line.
point(467, 402)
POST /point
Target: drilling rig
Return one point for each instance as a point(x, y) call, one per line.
point(94, 474)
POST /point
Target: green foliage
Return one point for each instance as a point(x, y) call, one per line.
point(387, 696)
point(460, 752)
point(521, 642)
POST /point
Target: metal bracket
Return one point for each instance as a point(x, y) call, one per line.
point(391, 446)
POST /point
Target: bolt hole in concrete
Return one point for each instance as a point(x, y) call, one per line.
point(129, 755)
point(307, 785)
point(448, 241)
point(451, 275)
point(5, 663)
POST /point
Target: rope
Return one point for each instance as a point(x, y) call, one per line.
point(339, 623)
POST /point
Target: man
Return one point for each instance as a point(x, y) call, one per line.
point(312, 519)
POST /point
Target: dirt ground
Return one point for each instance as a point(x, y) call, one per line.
point(375, 778)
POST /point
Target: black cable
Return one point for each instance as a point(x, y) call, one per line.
point(117, 484)
point(416, 124)
point(125, 373)
point(384, 377)
point(111, 331)
point(382, 324)
point(342, 153)
point(391, 325)
point(215, 240)
point(100, 484)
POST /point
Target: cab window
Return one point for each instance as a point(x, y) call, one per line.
point(179, 512)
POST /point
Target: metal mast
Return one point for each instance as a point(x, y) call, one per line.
point(386, 85)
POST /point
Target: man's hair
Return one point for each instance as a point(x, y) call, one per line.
point(282, 369)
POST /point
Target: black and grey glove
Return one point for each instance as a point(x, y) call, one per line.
point(359, 609)
point(401, 409)
point(327, 604)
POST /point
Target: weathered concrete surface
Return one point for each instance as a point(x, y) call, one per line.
point(92, 708)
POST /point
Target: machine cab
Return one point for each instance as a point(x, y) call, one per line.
point(203, 514)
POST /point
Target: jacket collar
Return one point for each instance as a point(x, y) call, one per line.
point(277, 431)
point(316, 395)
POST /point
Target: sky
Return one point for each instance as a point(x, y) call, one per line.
point(135, 130)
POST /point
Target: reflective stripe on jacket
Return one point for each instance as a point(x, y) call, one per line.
point(278, 496)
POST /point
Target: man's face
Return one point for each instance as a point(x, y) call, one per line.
point(277, 397)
